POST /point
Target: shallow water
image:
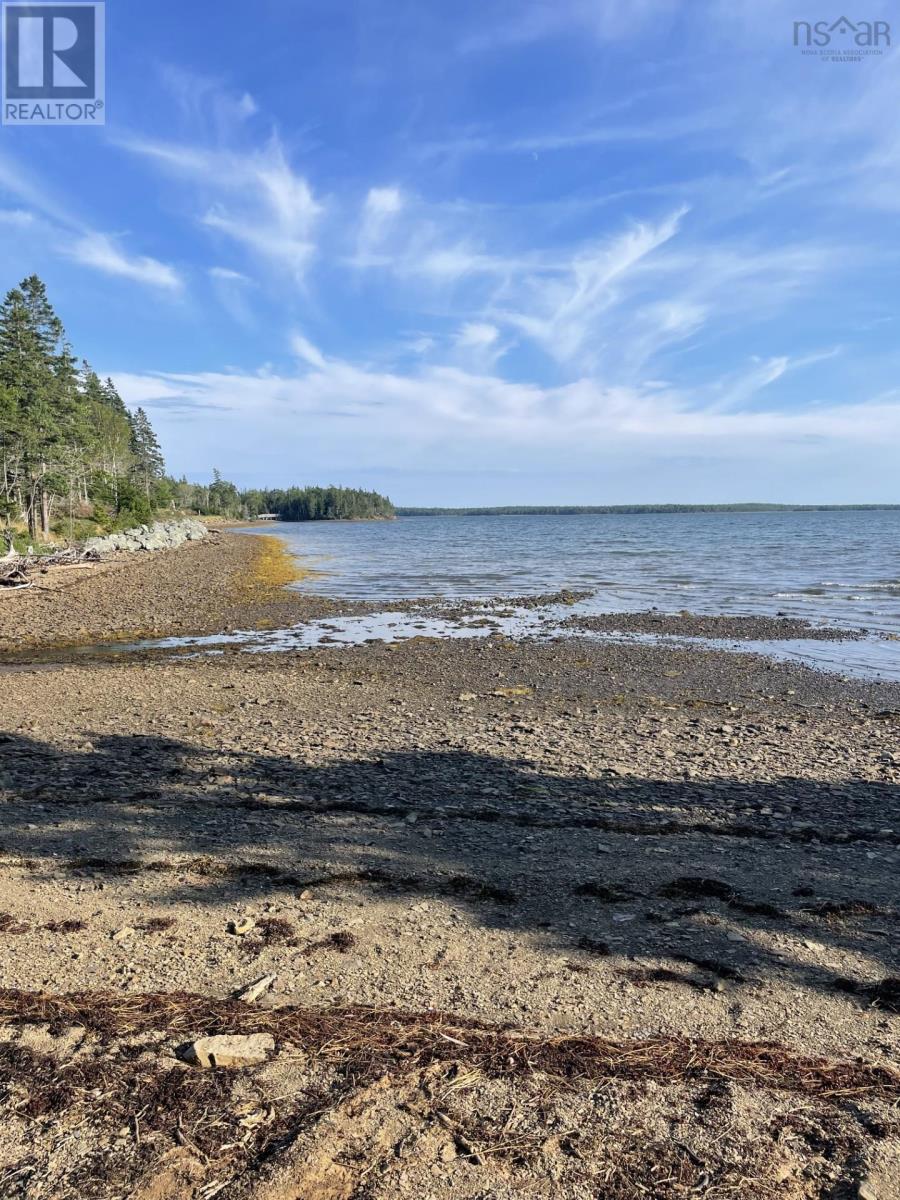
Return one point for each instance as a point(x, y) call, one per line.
point(842, 568)
point(869, 658)
point(733, 563)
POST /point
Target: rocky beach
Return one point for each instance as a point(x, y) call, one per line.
point(477, 917)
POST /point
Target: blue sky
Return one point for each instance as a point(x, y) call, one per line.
point(507, 251)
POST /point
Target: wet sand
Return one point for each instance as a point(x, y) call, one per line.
point(673, 869)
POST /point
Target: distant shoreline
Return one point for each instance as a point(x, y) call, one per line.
point(636, 509)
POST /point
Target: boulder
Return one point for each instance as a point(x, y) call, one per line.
point(163, 535)
point(230, 1050)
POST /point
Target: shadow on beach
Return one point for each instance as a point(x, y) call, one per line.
point(723, 877)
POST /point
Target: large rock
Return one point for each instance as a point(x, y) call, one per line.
point(163, 535)
point(230, 1050)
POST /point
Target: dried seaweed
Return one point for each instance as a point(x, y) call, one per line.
point(341, 940)
point(11, 924)
point(72, 925)
point(369, 1042)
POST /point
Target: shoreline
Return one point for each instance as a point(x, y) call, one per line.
point(224, 582)
point(470, 876)
point(232, 582)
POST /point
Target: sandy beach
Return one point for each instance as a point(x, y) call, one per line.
point(564, 919)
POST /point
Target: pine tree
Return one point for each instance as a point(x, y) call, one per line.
point(149, 465)
point(35, 370)
point(112, 399)
point(64, 434)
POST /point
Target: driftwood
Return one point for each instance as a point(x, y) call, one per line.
point(18, 570)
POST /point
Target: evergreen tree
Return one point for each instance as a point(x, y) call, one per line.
point(34, 368)
point(66, 438)
point(224, 500)
point(148, 463)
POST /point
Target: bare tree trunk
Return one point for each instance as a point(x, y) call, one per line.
point(32, 511)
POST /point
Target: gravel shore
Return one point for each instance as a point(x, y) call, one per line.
point(228, 581)
point(702, 625)
point(650, 890)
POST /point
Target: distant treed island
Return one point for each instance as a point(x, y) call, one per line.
point(316, 504)
point(75, 460)
point(222, 499)
point(514, 510)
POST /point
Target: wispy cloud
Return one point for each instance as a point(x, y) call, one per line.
point(612, 304)
point(584, 136)
point(535, 20)
point(380, 210)
point(101, 253)
point(230, 288)
point(59, 227)
point(227, 274)
point(477, 335)
point(307, 352)
point(564, 312)
point(254, 197)
point(206, 104)
point(446, 405)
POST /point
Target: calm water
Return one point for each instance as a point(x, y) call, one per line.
point(839, 567)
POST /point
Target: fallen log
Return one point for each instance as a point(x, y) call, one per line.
point(18, 571)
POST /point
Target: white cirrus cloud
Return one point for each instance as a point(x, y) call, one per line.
point(54, 221)
point(477, 335)
point(304, 349)
point(100, 252)
point(253, 197)
point(562, 311)
point(227, 274)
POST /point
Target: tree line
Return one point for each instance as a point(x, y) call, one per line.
point(222, 499)
point(68, 444)
point(634, 509)
point(71, 453)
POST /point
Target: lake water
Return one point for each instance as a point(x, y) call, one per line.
point(842, 568)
